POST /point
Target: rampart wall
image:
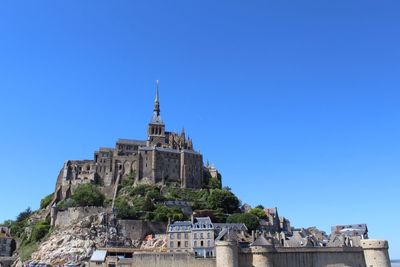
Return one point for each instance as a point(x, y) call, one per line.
point(158, 260)
point(300, 257)
point(71, 215)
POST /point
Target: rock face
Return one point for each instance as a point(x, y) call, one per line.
point(77, 241)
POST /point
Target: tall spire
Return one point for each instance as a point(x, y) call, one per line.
point(156, 118)
point(157, 101)
point(157, 98)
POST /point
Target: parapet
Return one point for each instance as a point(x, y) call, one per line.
point(374, 244)
point(226, 243)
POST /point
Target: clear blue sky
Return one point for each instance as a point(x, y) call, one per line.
point(295, 102)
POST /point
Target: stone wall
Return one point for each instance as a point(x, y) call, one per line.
point(300, 257)
point(165, 260)
point(7, 246)
point(296, 257)
point(6, 261)
point(137, 229)
point(72, 215)
point(157, 260)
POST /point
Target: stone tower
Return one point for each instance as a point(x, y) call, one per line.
point(262, 252)
point(226, 251)
point(376, 253)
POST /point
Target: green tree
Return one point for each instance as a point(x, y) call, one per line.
point(250, 220)
point(216, 216)
point(88, 195)
point(260, 213)
point(22, 216)
point(124, 210)
point(128, 180)
point(162, 213)
point(223, 199)
point(67, 203)
point(46, 201)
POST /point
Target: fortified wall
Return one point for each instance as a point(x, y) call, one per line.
point(373, 253)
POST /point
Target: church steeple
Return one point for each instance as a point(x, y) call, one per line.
point(157, 101)
point(156, 127)
point(156, 118)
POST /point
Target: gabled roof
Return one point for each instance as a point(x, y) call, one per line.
point(231, 226)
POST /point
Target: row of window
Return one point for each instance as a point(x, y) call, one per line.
point(180, 244)
point(186, 235)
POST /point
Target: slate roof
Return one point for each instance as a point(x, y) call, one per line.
point(202, 223)
point(261, 241)
point(231, 226)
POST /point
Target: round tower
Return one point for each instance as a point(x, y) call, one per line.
point(226, 253)
point(262, 256)
point(262, 249)
point(376, 253)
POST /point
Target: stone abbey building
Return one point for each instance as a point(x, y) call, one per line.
point(165, 158)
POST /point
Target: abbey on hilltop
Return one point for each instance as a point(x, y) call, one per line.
point(165, 158)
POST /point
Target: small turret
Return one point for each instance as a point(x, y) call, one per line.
point(262, 250)
point(226, 250)
point(376, 253)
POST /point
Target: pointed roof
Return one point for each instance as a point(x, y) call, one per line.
point(261, 241)
point(157, 97)
point(156, 118)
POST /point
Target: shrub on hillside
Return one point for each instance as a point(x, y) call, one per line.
point(65, 204)
point(162, 213)
point(46, 201)
point(39, 230)
point(88, 195)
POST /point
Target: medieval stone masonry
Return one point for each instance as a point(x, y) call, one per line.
point(165, 158)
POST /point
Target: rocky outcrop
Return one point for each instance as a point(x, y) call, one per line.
point(75, 243)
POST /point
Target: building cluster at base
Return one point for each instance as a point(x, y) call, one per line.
point(202, 243)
